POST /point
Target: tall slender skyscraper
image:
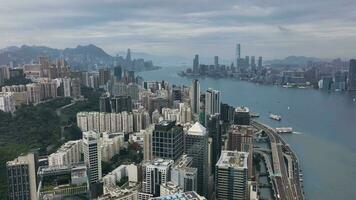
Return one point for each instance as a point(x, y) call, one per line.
point(118, 72)
point(195, 97)
point(196, 64)
point(212, 102)
point(196, 146)
point(253, 63)
point(216, 62)
point(352, 75)
point(214, 130)
point(238, 55)
point(260, 62)
point(247, 61)
point(92, 155)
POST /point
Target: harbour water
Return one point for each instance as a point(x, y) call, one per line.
point(325, 124)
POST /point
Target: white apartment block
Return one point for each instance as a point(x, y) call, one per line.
point(7, 102)
point(69, 153)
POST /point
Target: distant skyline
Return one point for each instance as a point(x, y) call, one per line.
point(272, 29)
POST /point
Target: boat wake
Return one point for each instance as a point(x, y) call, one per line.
point(298, 133)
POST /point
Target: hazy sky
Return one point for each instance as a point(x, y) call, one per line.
point(270, 28)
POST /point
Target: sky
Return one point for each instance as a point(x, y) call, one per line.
point(268, 28)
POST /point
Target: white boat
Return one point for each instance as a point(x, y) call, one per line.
point(282, 130)
point(255, 115)
point(275, 117)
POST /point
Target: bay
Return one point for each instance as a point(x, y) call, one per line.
point(325, 124)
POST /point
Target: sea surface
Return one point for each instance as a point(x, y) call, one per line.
point(325, 125)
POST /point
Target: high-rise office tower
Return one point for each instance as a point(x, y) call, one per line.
point(238, 55)
point(168, 140)
point(121, 103)
point(131, 77)
point(227, 113)
point(212, 102)
point(247, 61)
point(240, 138)
point(242, 116)
point(253, 63)
point(214, 130)
point(196, 146)
point(128, 55)
point(352, 75)
point(118, 72)
point(183, 175)
point(196, 64)
point(216, 62)
point(195, 97)
point(231, 176)
point(104, 104)
point(21, 178)
point(155, 173)
point(260, 62)
point(92, 155)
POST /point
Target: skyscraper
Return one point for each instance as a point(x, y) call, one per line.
point(196, 64)
point(104, 104)
point(352, 75)
point(195, 97)
point(118, 72)
point(231, 176)
point(216, 62)
point(92, 155)
point(242, 116)
point(247, 61)
point(128, 55)
point(104, 75)
point(21, 178)
point(238, 55)
point(214, 130)
point(253, 63)
point(212, 102)
point(121, 103)
point(168, 140)
point(155, 173)
point(260, 62)
point(183, 175)
point(196, 146)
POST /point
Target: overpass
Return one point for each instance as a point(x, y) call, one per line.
point(286, 187)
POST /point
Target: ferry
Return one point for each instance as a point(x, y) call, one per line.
point(282, 130)
point(275, 117)
point(255, 115)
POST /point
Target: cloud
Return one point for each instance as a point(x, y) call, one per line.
point(271, 29)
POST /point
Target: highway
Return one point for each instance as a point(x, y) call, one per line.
point(285, 187)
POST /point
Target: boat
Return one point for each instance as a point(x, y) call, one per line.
point(282, 130)
point(275, 117)
point(255, 115)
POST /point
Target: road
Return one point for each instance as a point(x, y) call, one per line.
point(285, 187)
point(58, 112)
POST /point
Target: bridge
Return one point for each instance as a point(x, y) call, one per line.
point(285, 185)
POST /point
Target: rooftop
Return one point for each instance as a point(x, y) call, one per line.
point(242, 109)
point(197, 129)
point(233, 159)
point(181, 196)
